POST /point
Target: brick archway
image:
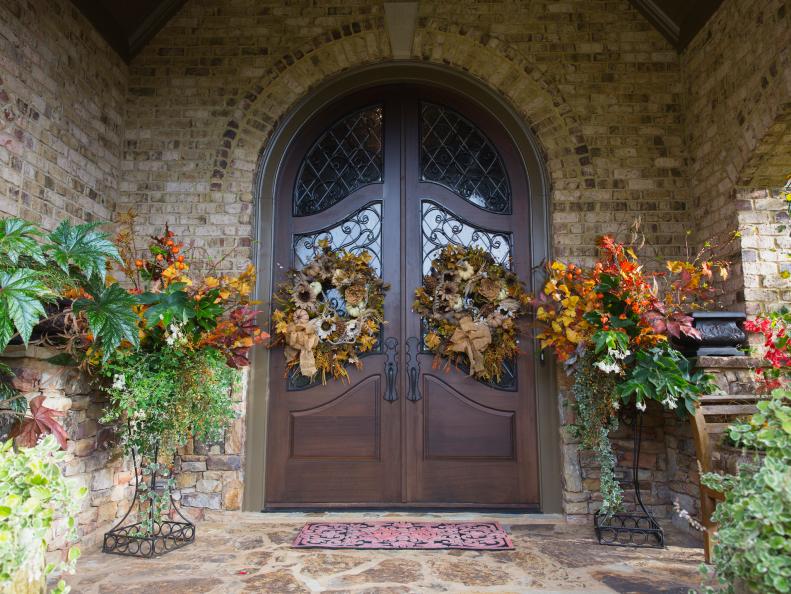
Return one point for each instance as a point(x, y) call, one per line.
point(495, 63)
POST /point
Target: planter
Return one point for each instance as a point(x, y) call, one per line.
point(728, 458)
point(165, 535)
point(722, 335)
point(53, 326)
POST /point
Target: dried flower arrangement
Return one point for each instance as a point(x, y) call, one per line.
point(331, 310)
point(471, 305)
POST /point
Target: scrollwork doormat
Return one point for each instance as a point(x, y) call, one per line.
point(476, 536)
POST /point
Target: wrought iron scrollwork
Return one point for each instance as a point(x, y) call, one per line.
point(345, 158)
point(391, 369)
point(361, 231)
point(413, 368)
point(631, 529)
point(441, 227)
point(457, 155)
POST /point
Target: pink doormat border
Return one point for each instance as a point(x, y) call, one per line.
point(383, 534)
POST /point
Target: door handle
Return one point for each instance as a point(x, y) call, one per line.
point(413, 368)
point(391, 369)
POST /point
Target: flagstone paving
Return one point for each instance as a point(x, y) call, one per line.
point(247, 552)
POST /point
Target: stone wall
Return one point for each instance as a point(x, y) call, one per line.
point(62, 96)
point(211, 475)
point(737, 79)
point(732, 375)
point(92, 460)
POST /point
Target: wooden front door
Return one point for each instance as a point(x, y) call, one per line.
point(401, 171)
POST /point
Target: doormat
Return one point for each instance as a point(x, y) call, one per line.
point(476, 536)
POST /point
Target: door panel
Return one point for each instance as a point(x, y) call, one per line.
point(402, 171)
point(345, 428)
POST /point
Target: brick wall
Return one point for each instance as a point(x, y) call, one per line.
point(737, 79)
point(63, 90)
point(599, 86)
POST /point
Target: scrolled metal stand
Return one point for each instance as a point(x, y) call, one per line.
point(636, 529)
point(165, 536)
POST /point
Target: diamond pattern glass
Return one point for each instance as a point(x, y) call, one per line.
point(345, 158)
point(455, 154)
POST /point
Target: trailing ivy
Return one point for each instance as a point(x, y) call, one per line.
point(595, 406)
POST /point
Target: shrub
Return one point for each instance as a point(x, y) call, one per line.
point(33, 493)
point(754, 536)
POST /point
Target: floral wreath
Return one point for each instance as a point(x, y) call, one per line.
point(471, 304)
point(330, 311)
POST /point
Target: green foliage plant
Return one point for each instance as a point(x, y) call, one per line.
point(161, 398)
point(41, 273)
point(33, 495)
point(753, 546)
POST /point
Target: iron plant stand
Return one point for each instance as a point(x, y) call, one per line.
point(165, 535)
point(631, 529)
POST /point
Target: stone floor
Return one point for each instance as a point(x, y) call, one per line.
point(246, 552)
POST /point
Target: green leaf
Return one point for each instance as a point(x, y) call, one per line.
point(21, 292)
point(173, 303)
point(17, 238)
point(110, 316)
point(83, 247)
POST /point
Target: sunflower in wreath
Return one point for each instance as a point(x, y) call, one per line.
point(471, 305)
point(329, 312)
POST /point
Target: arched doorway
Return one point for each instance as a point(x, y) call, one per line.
point(401, 169)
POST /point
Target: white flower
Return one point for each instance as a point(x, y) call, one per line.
point(354, 311)
point(608, 366)
point(459, 304)
point(351, 328)
point(119, 381)
point(315, 288)
point(616, 405)
point(325, 327)
point(670, 402)
point(640, 405)
point(174, 336)
point(465, 270)
point(503, 294)
point(617, 354)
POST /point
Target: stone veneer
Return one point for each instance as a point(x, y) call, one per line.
point(92, 461)
point(211, 475)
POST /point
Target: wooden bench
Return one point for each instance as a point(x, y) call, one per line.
point(714, 415)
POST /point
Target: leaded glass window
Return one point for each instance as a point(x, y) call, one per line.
point(345, 158)
point(457, 155)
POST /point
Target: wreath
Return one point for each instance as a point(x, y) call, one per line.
point(470, 305)
point(329, 312)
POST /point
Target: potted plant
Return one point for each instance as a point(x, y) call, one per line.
point(33, 495)
point(53, 287)
point(174, 382)
point(610, 325)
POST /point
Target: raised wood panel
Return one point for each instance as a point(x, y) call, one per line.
point(344, 428)
point(456, 427)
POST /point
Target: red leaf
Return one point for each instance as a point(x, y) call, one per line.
point(42, 420)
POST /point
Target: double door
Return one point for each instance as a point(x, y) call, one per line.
point(401, 171)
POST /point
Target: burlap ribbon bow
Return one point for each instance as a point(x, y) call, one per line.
point(302, 339)
point(471, 338)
